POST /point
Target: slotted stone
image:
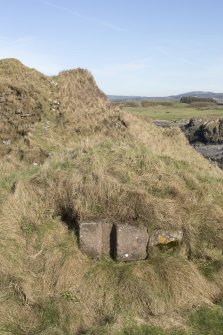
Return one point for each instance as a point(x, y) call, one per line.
point(107, 239)
point(131, 243)
point(90, 238)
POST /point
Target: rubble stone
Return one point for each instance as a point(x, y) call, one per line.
point(165, 237)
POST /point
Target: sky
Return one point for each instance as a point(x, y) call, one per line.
point(132, 47)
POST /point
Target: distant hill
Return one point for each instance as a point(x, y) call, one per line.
point(200, 94)
point(127, 97)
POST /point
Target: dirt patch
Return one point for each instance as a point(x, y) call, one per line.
point(19, 109)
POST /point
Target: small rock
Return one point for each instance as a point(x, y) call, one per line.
point(164, 237)
point(6, 142)
point(54, 83)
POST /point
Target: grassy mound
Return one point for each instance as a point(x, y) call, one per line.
point(83, 159)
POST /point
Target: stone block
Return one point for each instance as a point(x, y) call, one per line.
point(131, 243)
point(165, 237)
point(90, 238)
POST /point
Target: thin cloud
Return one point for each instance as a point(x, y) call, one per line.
point(84, 17)
point(115, 69)
point(24, 49)
point(173, 55)
point(16, 41)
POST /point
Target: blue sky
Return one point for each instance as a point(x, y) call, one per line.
point(132, 47)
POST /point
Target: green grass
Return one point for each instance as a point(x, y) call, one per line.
point(146, 330)
point(207, 321)
point(210, 268)
point(175, 112)
point(7, 180)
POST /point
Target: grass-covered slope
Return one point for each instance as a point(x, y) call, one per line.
point(84, 160)
point(176, 111)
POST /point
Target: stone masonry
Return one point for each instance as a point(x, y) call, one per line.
point(90, 239)
point(123, 242)
point(131, 243)
point(95, 239)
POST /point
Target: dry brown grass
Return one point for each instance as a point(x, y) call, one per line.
point(102, 164)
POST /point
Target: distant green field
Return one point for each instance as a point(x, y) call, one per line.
point(176, 111)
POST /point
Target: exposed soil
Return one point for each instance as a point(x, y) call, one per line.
point(18, 111)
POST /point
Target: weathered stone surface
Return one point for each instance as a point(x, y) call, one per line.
point(207, 132)
point(165, 237)
point(107, 239)
point(90, 238)
point(131, 243)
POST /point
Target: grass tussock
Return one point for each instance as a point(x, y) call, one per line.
point(102, 164)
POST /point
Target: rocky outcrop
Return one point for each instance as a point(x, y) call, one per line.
point(213, 152)
point(205, 136)
point(207, 132)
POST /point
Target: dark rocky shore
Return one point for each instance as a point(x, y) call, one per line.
point(213, 152)
point(205, 136)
